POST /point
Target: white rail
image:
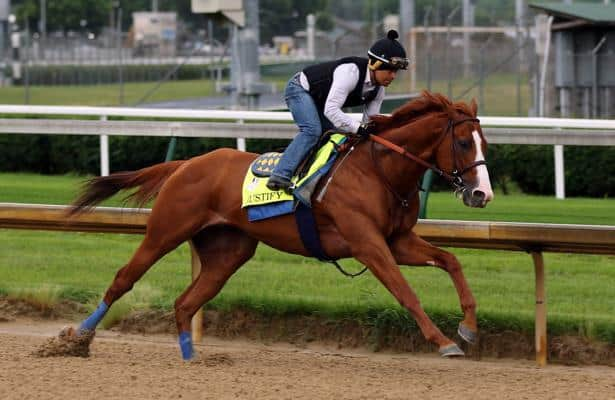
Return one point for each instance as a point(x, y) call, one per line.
point(236, 124)
point(501, 122)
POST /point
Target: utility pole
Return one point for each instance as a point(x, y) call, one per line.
point(374, 5)
point(42, 28)
point(154, 5)
point(520, 12)
point(406, 23)
point(468, 21)
point(245, 70)
point(406, 19)
point(5, 9)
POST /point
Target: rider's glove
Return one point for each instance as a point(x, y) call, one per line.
point(365, 129)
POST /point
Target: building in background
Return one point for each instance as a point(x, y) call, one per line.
point(582, 77)
point(154, 33)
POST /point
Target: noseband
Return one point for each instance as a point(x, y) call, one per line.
point(455, 178)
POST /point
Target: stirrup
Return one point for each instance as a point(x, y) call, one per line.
point(280, 183)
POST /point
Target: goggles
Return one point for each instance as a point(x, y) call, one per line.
point(391, 63)
point(398, 62)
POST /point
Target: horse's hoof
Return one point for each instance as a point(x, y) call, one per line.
point(194, 359)
point(467, 334)
point(67, 332)
point(452, 350)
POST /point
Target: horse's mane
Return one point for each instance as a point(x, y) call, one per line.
point(425, 104)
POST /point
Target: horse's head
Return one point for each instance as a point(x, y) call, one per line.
point(448, 133)
point(460, 153)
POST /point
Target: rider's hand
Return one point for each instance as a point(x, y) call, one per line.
point(365, 129)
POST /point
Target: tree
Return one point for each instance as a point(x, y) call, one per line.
point(65, 15)
point(285, 17)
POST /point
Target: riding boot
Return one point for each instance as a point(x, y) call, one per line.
point(279, 183)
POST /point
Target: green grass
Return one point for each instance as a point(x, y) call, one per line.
point(106, 95)
point(32, 188)
point(80, 266)
point(75, 265)
point(500, 92)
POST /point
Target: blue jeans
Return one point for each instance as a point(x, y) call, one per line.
point(311, 122)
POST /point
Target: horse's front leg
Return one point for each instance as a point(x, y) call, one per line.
point(409, 249)
point(369, 247)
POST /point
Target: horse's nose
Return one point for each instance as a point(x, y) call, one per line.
point(480, 197)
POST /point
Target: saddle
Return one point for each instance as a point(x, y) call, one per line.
point(265, 163)
point(316, 165)
point(262, 203)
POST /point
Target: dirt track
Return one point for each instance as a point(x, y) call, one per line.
point(149, 367)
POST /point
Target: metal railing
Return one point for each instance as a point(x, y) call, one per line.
point(274, 125)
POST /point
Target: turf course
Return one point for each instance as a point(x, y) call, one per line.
point(49, 266)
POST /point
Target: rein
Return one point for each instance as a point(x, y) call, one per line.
point(455, 178)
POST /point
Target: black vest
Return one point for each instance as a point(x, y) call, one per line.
point(320, 78)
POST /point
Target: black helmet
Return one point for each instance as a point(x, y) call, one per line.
point(388, 53)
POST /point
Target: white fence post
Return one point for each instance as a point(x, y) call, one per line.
point(104, 152)
point(241, 142)
point(560, 182)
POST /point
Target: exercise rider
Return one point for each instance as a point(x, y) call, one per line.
point(316, 96)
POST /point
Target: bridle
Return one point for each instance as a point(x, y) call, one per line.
point(455, 177)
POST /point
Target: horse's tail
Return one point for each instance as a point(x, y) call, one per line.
point(148, 181)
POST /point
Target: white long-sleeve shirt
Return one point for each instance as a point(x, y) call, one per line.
point(345, 79)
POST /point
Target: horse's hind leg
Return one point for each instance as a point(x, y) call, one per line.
point(222, 250)
point(161, 238)
point(145, 256)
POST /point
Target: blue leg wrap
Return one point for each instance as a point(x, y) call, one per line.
point(92, 321)
point(185, 344)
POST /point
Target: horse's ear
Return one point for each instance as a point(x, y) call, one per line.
point(474, 107)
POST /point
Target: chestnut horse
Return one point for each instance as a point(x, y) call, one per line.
point(368, 212)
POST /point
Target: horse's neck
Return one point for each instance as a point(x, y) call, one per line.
point(420, 138)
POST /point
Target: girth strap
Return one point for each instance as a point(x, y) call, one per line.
point(308, 231)
point(306, 223)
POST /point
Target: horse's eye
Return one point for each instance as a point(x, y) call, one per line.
point(464, 144)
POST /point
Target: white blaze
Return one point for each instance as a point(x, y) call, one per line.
point(484, 184)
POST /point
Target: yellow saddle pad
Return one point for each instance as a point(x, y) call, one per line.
point(255, 191)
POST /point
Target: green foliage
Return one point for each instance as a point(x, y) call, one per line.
point(49, 154)
point(589, 170)
point(324, 22)
point(530, 168)
point(103, 74)
point(64, 15)
point(285, 17)
point(60, 154)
